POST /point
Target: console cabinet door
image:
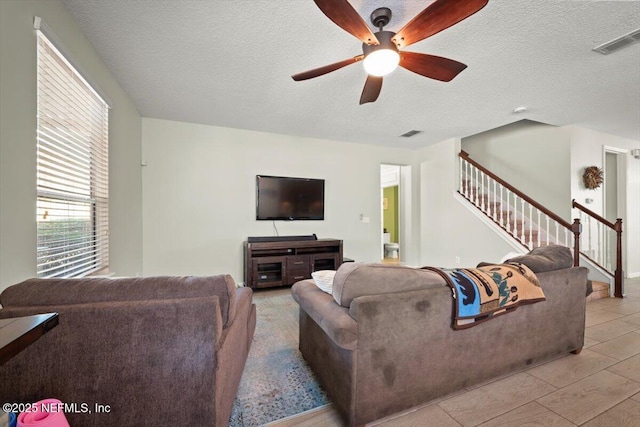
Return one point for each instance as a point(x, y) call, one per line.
point(326, 261)
point(269, 271)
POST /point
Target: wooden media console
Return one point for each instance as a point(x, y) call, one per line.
point(284, 261)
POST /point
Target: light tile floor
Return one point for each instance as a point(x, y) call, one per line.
point(600, 387)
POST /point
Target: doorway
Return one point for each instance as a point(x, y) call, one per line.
point(395, 207)
point(611, 186)
point(614, 199)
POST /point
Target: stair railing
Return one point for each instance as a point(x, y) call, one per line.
point(530, 223)
point(597, 244)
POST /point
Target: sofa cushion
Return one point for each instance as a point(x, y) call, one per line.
point(44, 292)
point(356, 279)
point(546, 258)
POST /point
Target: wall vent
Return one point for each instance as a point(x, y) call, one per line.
point(618, 43)
point(411, 133)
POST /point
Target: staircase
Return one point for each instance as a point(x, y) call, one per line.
point(600, 290)
point(529, 224)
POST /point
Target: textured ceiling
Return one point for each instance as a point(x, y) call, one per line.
point(228, 63)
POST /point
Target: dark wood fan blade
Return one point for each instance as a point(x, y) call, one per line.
point(345, 16)
point(371, 89)
point(305, 75)
point(434, 67)
point(439, 15)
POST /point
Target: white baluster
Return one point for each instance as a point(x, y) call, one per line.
point(557, 233)
point(460, 165)
point(530, 226)
point(483, 200)
point(476, 188)
point(522, 222)
point(479, 190)
point(502, 206)
point(607, 249)
point(513, 227)
point(463, 177)
point(539, 227)
point(466, 179)
point(586, 221)
point(495, 201)
point(547, 232)
point(599, 249)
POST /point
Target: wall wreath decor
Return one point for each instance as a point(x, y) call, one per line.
point(592, 177)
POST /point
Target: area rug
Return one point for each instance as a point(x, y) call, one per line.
point(276, 382)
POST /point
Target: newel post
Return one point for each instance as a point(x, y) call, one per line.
point(618, 274)
point(576, 229)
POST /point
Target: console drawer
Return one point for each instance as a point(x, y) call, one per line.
point(298, 268)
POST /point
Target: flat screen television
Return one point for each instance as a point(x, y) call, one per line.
point(289, 199)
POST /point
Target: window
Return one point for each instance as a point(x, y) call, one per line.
point(72, 170)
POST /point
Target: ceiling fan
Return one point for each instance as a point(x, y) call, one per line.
point(382, 50)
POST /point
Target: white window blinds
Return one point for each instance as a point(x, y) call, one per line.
point(72, 170)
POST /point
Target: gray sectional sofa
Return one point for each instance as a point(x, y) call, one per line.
point(383, 341)
point(159, 351)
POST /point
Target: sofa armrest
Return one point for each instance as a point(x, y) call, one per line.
point(334, 320)
point(232, 351)
point(240, 303)
point(153, 362)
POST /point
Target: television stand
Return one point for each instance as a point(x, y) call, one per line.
point(283, 262)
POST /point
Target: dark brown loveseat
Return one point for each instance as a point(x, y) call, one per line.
point(383, 341)
point(157, 350)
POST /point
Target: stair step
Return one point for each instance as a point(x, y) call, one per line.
point(600, 290)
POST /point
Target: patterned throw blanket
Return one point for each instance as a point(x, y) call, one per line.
point(486, 292)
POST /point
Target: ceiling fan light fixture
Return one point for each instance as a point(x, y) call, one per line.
point(381, 62)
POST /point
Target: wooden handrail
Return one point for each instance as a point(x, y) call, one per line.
point(520, 194)
point(618, 274)
point(575, 228)
point(593, 214)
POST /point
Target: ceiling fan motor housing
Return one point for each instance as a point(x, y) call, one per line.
point(384, 37)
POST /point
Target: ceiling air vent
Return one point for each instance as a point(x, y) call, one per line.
point(411, 133)
point(618, 43)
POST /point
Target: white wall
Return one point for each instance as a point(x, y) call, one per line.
point(18, 142)
point(531, 156)
point(199, 194)
point(448, 229)
point(199, 198)
point(587, 149)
